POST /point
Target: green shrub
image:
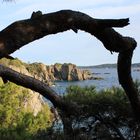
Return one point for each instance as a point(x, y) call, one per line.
point(103, 115)
point(16, 122)
point(14, 62)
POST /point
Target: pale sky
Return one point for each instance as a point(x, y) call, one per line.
point(68, 47)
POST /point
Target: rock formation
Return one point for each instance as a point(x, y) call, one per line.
point(29, 100)
point(34, 103)
point(70, 72)
point(48, 74)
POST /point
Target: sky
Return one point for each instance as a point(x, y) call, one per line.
point(81, 49)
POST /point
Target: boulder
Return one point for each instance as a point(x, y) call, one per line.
point(69, 72)
point(66, 70)
point(76, 74)
point(57, 71)
point(86, 74)
point(34, 103)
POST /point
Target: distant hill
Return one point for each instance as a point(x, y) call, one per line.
point(107, 66)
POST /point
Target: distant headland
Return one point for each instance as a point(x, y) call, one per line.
point(135, 65)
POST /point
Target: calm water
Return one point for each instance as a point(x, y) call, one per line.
point(109, 76)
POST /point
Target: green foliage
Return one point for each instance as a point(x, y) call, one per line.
point(34, 68)
point(16, 121)
point(113, 99)
point(79, 94)
point(14, 62)
point(104, 114)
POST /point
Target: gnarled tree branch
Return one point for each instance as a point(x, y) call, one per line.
point(23, 32)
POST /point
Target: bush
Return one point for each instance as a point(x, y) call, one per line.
point(16, 121)
point(14, 62)
point(104, 114)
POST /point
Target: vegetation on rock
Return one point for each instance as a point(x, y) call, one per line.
point(17, 120)
point(48, 74)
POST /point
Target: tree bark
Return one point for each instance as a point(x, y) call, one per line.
point(23, 32)
point(125, 79)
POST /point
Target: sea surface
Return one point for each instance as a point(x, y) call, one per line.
point(109, 75)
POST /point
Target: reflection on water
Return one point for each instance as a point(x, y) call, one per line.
point(109, 76)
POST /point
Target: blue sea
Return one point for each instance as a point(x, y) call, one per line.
point(109, 75)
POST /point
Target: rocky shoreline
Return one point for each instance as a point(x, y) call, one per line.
point(49, 73)
point(58, 72)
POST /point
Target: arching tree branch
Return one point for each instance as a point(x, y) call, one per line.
point(23, 32)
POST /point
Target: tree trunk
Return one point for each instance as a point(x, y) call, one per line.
point(67, 127)
point(125, 79)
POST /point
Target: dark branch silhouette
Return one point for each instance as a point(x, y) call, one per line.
point(23, 32)
point(39, 25)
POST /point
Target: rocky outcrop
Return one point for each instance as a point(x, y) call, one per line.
point(34, 103)
point(41, 72)
point(29, 100)
point(86, 74)
point(69, 72)
point(48, 74)
point(57, 72)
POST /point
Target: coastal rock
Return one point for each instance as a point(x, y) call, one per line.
point(48, 74)
point(21, 69)
point(76, 74)
point(34, 103)
point(29, 100)
point(41, 72)
point(95, 78)
point(57, 71)
point(86, 74)
point(69, 72)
